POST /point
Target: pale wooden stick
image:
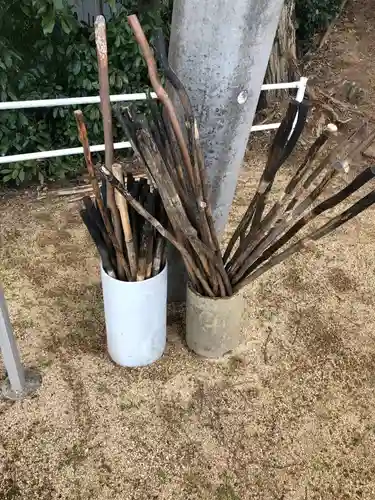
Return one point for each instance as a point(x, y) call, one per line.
point(124, 214)
point(75, 190)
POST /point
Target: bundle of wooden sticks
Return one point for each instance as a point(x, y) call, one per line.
point(143, 248)
point(172, 157)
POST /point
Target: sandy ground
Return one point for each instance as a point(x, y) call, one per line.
point(289, 416)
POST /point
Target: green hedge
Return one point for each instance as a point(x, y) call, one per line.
point(313, 16)
point(46, 53)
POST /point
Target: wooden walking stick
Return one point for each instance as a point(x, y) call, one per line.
point(101, 49)
point(160, 92)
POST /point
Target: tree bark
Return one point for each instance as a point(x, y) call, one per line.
point(282, 62)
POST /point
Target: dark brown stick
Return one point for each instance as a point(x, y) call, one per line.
point(327, 228)
point(240, 229)
point(168, 139)
point(159, 248)
point(93, 210)
point(150, 207)
point(162, 56)
point(176, 214)
point(171, 201)
point(327, 204)
point(293, 189)
point(134, 216)
point(346, 150)
point(169, 160)
point(278, 158)
point(194, 178)
point(266, 181)
point(223, 279)
point(195, 149)
point(315, 149)
point(159, 257)
point(142, 264)
point(280, 226)
point(205, 220)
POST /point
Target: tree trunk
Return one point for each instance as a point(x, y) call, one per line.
point(219, 49)
point(282, 62)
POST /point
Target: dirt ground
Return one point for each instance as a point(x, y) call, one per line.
point(289, 416)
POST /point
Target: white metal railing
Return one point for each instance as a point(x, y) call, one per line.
point(300, 85)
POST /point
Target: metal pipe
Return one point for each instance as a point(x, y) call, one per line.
point(266, 126)
point(44, 103)
point(70, 101)
point(9, 349)
point(19, 383)
point(41, 155)
point(95, 99)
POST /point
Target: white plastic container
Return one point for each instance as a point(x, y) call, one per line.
point(136, 318)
